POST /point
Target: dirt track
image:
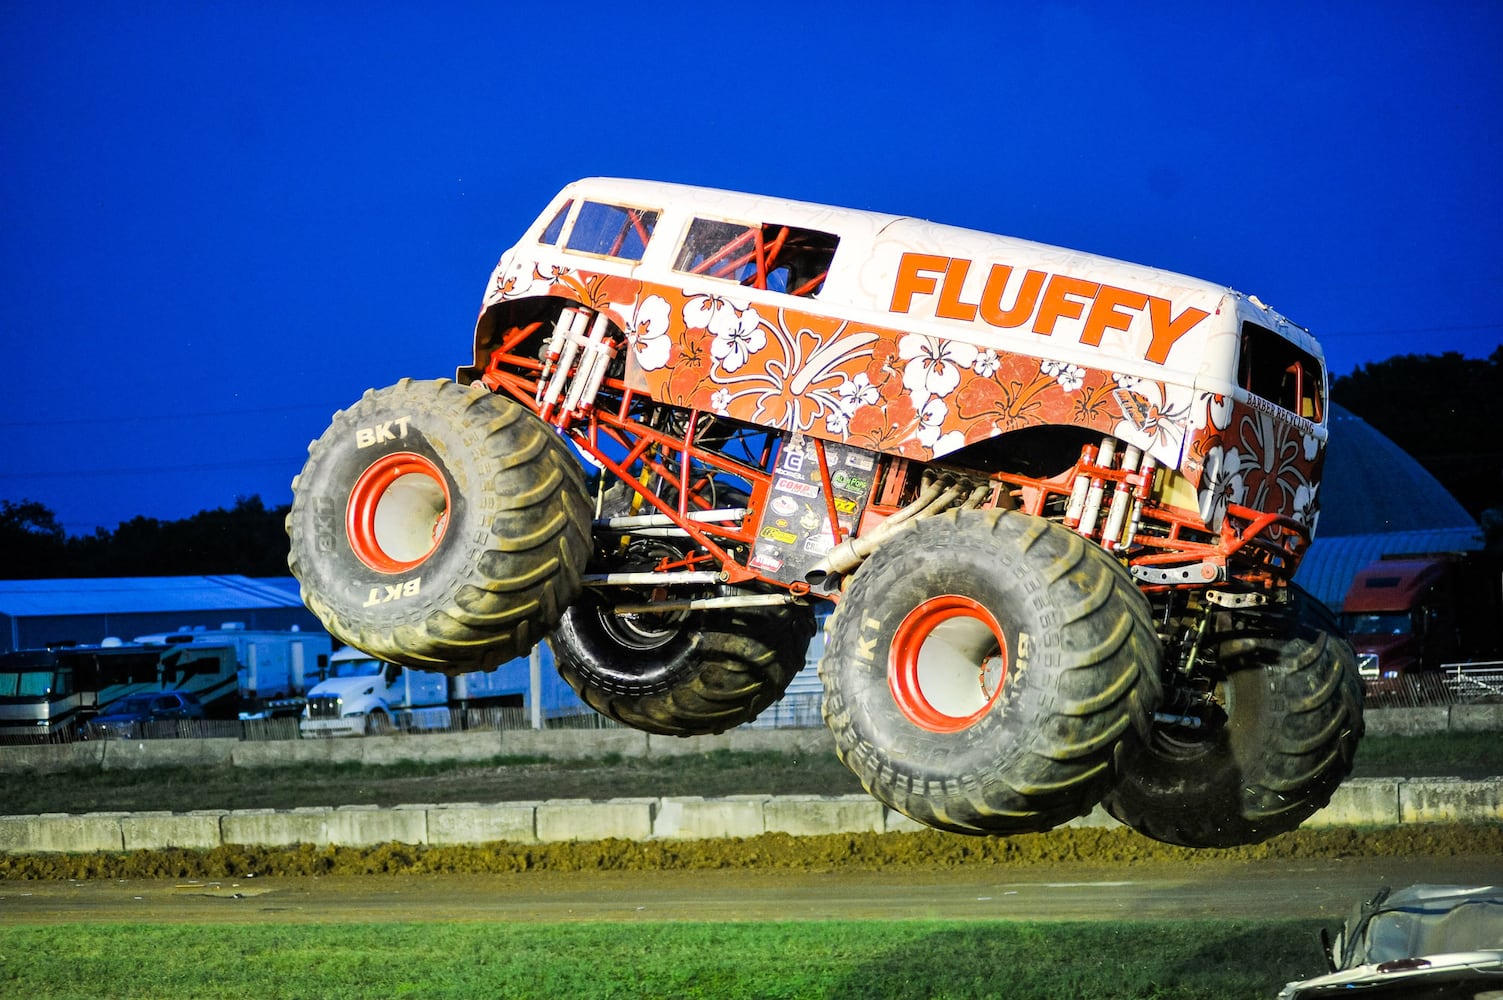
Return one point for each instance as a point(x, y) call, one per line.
point(1225, 890)
point(1065, 874)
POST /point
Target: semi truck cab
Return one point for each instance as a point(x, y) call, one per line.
point(364, 695)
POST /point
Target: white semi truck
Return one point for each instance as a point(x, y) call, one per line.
point(363, 695)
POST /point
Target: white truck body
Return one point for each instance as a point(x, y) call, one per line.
point(364, 695)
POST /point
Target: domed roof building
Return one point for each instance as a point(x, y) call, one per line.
point(1376, 499)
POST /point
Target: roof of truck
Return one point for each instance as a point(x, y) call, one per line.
point(881, 226)
point(1392, 584)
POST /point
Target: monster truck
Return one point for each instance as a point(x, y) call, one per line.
point(1056, 500)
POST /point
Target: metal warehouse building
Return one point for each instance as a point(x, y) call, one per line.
point(37, 613)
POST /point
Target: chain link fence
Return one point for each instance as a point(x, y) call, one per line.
point(1453, 684)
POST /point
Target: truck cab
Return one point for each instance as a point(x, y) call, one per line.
point(365, 695)
point(1400, 615)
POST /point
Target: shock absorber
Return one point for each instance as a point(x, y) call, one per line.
point(1122, 495)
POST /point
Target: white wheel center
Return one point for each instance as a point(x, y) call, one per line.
point(409, 517)
point(959, 667)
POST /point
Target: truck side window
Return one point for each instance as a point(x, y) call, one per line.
point(612, 230)
point(550, 235)
point(770, 256)
point(1281, 372)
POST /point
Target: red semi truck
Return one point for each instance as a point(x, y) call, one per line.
point(1420, 613)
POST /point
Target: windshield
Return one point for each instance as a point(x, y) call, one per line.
point(1377, 623)
point(26, 684)
point(356, 668)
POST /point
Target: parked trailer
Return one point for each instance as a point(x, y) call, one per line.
point(230, 670)
point(274, 669)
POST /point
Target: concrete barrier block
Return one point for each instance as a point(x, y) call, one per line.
point(696, 818)
point(276, 828)
point(895, 822)
point(149, 831)
point(1451, 800)
point(586, 819)
point(573, 744)
point(15, 834)
point(1407, 721)
point(745, 739)
point(137, 754)
point(367, 826)
point(430, 747)
point(1477, 718)
point(472, 823)
point(812, 815)
point(51, 758)
point(62, 833)
point(1361, 802)
point(280, 753)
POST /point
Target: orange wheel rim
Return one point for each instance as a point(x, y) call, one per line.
point(948, 664)
point(398, 512)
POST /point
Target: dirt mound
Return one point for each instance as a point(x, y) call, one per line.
point(869, 851)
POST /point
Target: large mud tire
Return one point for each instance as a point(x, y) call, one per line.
point(439, 526)
point(1292, 698)
point(984, 670)
point(695, 674)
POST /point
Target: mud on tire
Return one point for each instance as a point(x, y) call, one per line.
point(1293, 717)
point(685, 674)
point(438, 526)
point(984, 669)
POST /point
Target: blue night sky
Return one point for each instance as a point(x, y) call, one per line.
point(220, 223)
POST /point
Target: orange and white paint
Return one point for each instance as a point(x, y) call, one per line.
point(926, 338)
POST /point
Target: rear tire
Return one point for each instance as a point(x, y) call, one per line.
point(1292, 698)
point(983, 669)
point(439, 527)
point(680, 674)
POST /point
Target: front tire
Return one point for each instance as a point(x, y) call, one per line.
point(439, 527)
point(983, 670)
point(1290, 718)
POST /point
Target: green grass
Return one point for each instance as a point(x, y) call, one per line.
point(1431, 755)
point(1161, 960)
point(499, 779)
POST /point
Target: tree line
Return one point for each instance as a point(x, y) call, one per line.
point(248, 539)
point(1446, 410)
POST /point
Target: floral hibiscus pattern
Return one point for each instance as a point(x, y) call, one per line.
point(923, 397)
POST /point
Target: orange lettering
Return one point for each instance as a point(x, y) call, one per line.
point(1167, 330)
point(950, 306)
point(1104, 315)
point(1022, 307)
point(1055, 305)
point(916, 276)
